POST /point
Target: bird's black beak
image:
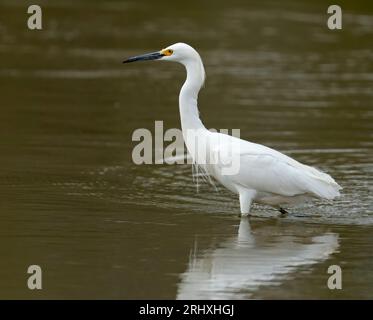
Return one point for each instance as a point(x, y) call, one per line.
point(148, 56)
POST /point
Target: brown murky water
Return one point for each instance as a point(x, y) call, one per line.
point(72, 201)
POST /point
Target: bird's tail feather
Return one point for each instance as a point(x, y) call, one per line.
point(321, 184)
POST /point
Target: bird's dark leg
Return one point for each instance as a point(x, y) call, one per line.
point(283, 211)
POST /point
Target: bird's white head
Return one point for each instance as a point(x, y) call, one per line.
point(178, 52)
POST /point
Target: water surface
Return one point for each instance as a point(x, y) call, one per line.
point(73, 202)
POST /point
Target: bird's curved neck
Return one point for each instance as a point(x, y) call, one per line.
point(188, 97)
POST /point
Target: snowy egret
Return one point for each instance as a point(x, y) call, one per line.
point(264, 175)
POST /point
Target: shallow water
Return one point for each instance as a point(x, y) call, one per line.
point(73, 202)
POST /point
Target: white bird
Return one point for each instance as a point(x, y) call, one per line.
point(263, 175)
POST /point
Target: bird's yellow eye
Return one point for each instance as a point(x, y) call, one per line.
point(167, 52)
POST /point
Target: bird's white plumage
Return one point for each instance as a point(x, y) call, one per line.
point(272, 173)
point(264, 175)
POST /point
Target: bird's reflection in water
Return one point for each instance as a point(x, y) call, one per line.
point(251, 259)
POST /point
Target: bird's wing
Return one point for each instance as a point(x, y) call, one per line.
point(267, 170)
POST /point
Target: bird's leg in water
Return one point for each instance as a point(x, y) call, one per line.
point(246, 198)
point(283, 211)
